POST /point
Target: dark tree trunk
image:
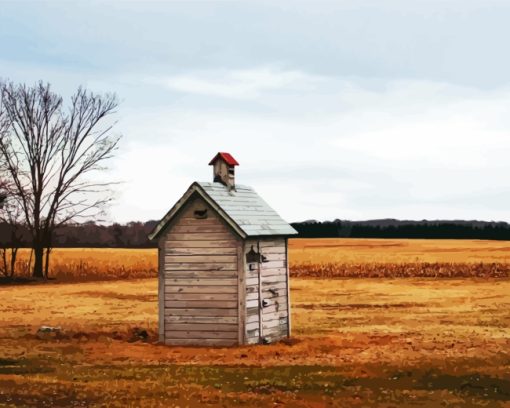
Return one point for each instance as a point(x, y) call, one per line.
point(38, 271)
point(47, 262)
point(4, 259)
point(14, 254)
point(30, 260)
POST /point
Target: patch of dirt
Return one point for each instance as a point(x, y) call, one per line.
point(21, 280)
point(120, 296)
point(343, 306)
point(132, 335)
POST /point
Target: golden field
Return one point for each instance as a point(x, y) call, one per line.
point(82, 264)
point(358, 250)
point(356, 343)
point(322, 258)
point(398, 258)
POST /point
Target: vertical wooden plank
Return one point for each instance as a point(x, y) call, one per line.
point(288, 284)
point(241, 293)
point(161, 289)
point(260, 294)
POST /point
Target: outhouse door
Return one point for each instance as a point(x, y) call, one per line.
point(267, 300)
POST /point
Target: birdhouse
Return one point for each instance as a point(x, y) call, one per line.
point(223, 265)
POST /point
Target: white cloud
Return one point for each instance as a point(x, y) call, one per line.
point(239, 84)
point(405, 149)
point(318, 147)
point(331, 110)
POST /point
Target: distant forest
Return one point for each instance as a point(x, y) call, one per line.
point(391, 228)
point(91, 235)
point(134, 234)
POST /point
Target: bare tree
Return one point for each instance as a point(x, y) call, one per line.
point(51, 154)
point(11, 218)
point(9, 215)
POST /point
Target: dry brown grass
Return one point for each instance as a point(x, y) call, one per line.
point(320, 258)
point(400, 270)
point(91, 264)
point(397, 258)
point(357, 343)
point(357, 250)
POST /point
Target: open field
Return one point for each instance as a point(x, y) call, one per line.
point(358, 250)
point(81, 264)
point(326, 258)
point(392, 258)
point(357, 343)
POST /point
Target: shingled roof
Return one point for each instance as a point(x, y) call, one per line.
point(243, 209)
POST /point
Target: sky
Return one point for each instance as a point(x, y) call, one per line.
point(349, 109)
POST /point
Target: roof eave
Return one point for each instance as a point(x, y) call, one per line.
point(195, 187)
point(239, 231)
point(272, 235)
point(171, 213)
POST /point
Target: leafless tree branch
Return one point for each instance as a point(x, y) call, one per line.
point(49, 153)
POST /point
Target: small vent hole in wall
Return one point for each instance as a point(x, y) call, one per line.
point(200, 214)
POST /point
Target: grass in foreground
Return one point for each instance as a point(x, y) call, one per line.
point(413, 342)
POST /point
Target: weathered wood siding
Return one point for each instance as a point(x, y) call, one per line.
point(273, 288)
point(200, 262)
point(252, 335)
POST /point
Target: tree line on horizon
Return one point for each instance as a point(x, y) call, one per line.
point(135, 234)
point(87, 235)
point(407, 229)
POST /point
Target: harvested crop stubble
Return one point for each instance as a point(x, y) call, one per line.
point(401, 270)
point(94, 264)
point(314, 258)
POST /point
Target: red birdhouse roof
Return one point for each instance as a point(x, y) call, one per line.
point(227, 158)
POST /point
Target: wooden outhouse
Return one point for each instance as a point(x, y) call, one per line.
point(223, 265)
